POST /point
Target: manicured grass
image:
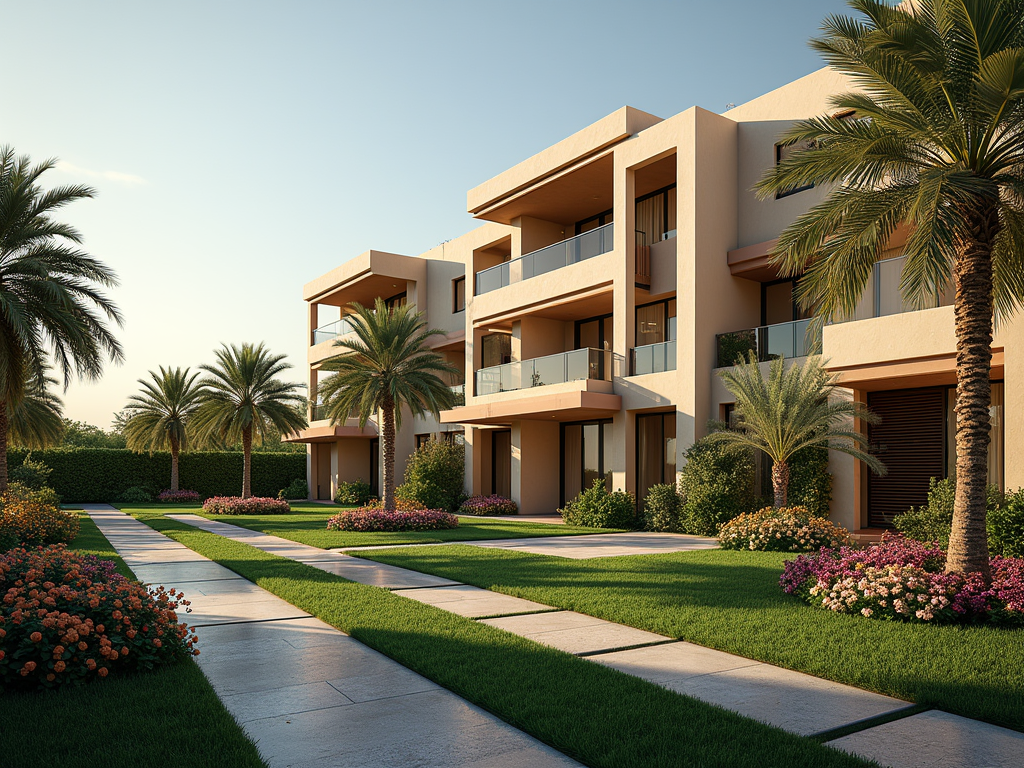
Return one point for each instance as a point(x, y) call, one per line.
point(170, 716)
point(597, 715)
point(309, 526)
point(732, 601)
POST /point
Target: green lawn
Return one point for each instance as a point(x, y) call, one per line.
point(142, 719)
point(732, 601)
point(597, 715)
point(308, 525)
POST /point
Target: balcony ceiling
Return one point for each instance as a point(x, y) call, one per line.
point(579, 405)
point(364, 290)
point(657, 175)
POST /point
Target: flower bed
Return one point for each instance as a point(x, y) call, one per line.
point(179, 497)
point(488, 505)
point(790, 529)
point(368, 519)
point(70, 618)
point(902, 579)
point(29, 520)
point(236, 505)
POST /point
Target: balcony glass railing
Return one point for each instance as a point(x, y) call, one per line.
point(784, 339)
point(332, 330)
point(577, 365)
point(654, 358)
point(547, 259)
point(882, 295)
point(460, 394)
point(319, 412)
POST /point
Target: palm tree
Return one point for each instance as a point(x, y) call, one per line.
point(243, 399)
point(796, 407)
point(50, 297)
point(37, 420)
point(935, 142)
point(385, 367)
point(158, 417)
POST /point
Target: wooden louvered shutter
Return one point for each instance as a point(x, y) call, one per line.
point(909, 440)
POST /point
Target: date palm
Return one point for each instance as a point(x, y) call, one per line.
point(795, 407)
point(244, 400)
point(51, 302)
point(387, 366)
point(157, 418)
point(37, 420)
point(936, 142)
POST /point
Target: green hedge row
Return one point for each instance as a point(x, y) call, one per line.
point(98, 475)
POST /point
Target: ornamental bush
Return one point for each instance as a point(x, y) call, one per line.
point(902, 579)
point(31, 518)
point(136, 495)
point(934, 520)
point(1006, 526)
point(663, 509)
point(717, 484)
point(179, 497)
point(434, 476)
point(236, 505)
point(790, 529)
point(369, 519)
point(31, 473)
point(295, 490)
point(355, 492)
point(810, 482)
point(596, 507)
point(67, 618)
point(489, 505)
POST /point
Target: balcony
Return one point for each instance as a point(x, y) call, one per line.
point(318, 412)
point(577, 365)
point(653, 358)
point(882, 296)
point(460, 395)
point(575, 249)
point(784, 339)
point(332, 330)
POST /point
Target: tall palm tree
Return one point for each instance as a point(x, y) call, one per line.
point(385, 367)
point(242, 399)
point(158, 417)
point(51, 304)
point(936, 142)
point(37, 420)
point(796, 407)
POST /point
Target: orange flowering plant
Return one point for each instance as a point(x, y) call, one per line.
point(32, 518)
point(67, 618)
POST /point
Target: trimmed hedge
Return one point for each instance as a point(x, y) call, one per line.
point(102, 475)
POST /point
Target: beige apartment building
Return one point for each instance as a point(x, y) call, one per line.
point(611, 277)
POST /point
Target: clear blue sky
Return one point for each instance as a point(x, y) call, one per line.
point(242, 148)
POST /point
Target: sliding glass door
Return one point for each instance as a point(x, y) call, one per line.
point(655, 451)
point(501, 462)
point(584, 457)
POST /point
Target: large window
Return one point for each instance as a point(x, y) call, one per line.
point(997, 436)
point(655, 451)
point(656, 215)
point(594, 333)
point(495, 349)
point(585, 225)
point(585, 447)
point(656, 323)
point(398, 300)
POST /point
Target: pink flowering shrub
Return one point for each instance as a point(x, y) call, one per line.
point(902, 579)
point(790, 529)
point(369, 519)
point(488, 505)
point(179, 497)
point(236, 505)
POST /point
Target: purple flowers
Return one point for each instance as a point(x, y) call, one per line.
point(178, 497)
point(366, 519)
point(236, 505)
point(488, 505)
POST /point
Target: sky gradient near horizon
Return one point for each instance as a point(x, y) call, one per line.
point(240, 149)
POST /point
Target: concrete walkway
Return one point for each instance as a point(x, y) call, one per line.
point(308, 694)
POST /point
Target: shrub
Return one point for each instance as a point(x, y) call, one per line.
point(136, 495)
point(401, 505)
point(810, 482)
point(369, 519)
point(663, 509)
point(934, 520)
point(236, 505)
point(902, 579)
point(31, 473)
point(179, 497)
point(717, 484)
point(790, 529)
point(489, 505)
point(355, 492)
point(434, 476)
point(296, 489)
point(1006, 526)
point(68, 619)
point(597, 508)
point(31, 518)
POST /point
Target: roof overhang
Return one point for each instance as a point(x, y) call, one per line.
point(578, 405)
point(329, 433)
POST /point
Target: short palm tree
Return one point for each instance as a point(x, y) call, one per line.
point(385, 367)
point(243, 399)
point(51, 303)
point(796, 407)
point(157, 418)
point(936, 141)
point(37, 420)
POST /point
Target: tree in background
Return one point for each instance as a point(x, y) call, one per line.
point(36, 421)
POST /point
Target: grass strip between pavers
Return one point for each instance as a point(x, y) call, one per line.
point(597, 715)
point(170, 716)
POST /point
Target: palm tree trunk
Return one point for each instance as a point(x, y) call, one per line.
point(174, 464)
point(388, 445)
point(972, 274)
point(3, 447)
point(247, 462)
point(780, 483)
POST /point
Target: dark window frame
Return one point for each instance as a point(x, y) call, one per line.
point(391, 301)
point(778, 159)
point(636, 447)
point(602, 218)
point(422, 439)
point(600, 332)
point(651, 304)
point(561, 453)
point(663, 191)
point(494, 459)
point(455, 295)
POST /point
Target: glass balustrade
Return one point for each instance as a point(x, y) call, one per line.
point(654, 358)
point(460, 394)
point(332, 330)
point(781, 340)
point(577, 365)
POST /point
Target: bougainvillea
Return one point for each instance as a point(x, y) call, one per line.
point(488, 505)
point(790, 529)
point(179, 497)
point(236, 505)
point(70, 618)
point(367, 519)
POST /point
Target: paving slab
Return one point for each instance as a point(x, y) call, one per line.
point(193, 572)
point(574, 632)
point(602, 544)
point(937, 740)
point(793, 701)
point(472, 602)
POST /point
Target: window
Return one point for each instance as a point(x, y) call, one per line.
point(398, 300)
point(458, 294)
point(455, 437)
point(655, 451)
point(422, 440)
point(784, 152)
point(656, 322)
point(501, 462)
point(495, 349)
point(656, 215)
point(594, 333)
point(585, 225)
point(585, 457)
